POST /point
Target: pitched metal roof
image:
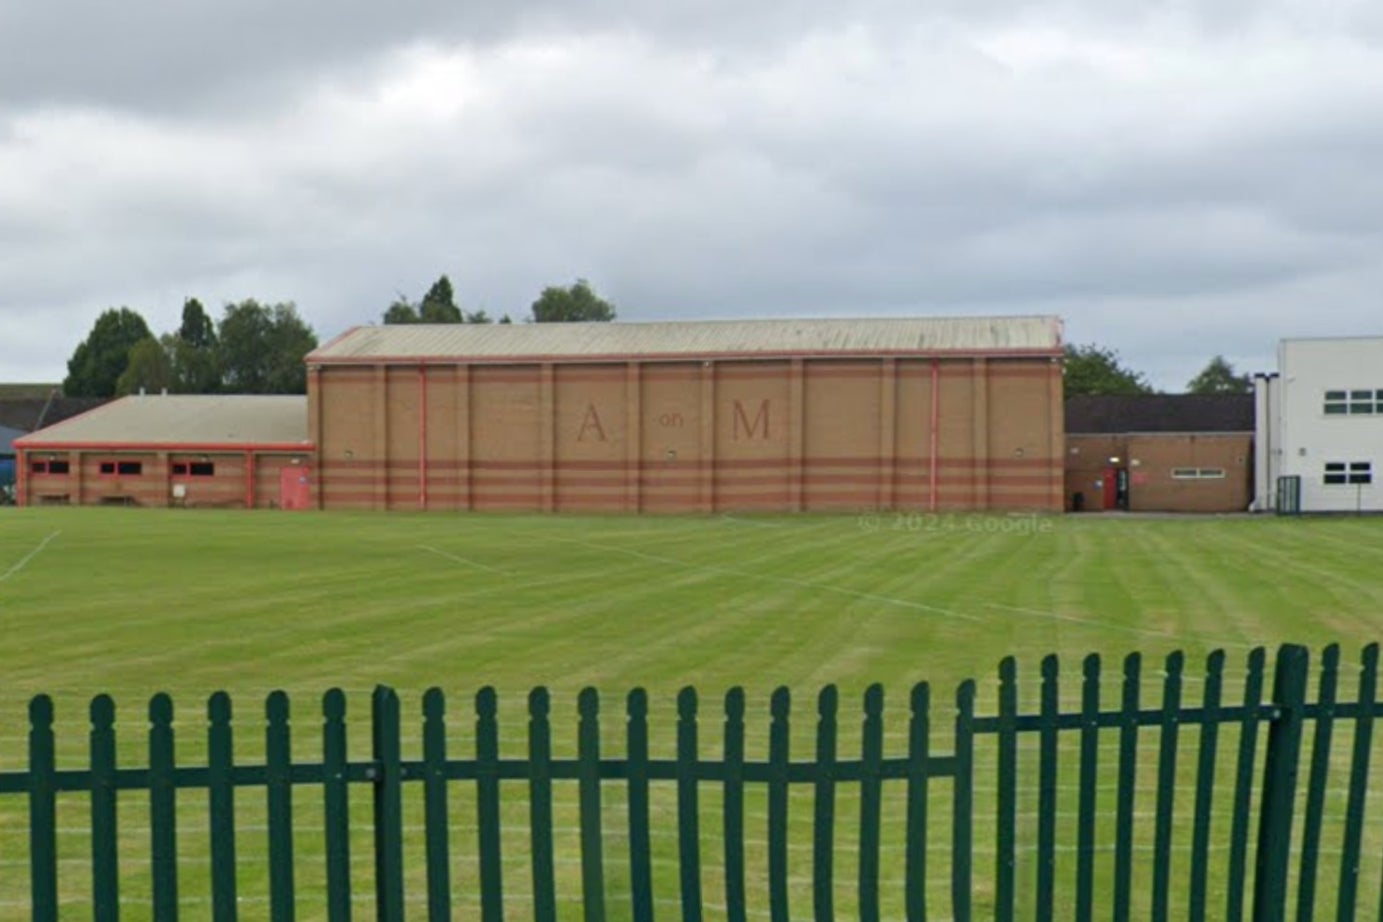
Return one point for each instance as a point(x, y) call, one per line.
point(183, 420)
point(729, 339)
point(1111, 414)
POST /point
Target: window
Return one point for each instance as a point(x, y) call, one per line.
point(179, 469)
point(107, 467)
point(58, 467)
point(38, 467)
point(131, 468)
point(1198, 473)
point(48, 467)
point(202, 469)
point(1357, 402)
point(1338, 473)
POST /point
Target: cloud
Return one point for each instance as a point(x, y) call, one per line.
point(1172, 181)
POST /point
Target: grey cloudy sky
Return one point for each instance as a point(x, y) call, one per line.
point(1175, 178)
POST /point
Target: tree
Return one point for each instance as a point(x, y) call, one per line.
point(571, 305)
point(148, 370)
point(192, 352)
point(402, 311)
point(262, 348)
point(1091, 369)
point(196, 330)
point(1218, 377)
point(99, 361)
point(439, 304)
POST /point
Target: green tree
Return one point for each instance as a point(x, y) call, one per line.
point(99, 360)
point(262, 348)
point(196, 329)
point(192, 352)
point(149, 369)
point(576, 304)
point(1218, 377)
point(402, 311)
point(439, 304)
point(1092, 369)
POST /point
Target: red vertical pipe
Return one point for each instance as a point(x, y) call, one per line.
point(249, 480)
point(21, 467)
point(935, 435)
point(422, 437)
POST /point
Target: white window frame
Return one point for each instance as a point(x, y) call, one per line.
point(1348, 474)
point(1355, 401)
point(1198, 473)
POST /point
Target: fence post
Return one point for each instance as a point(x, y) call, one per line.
point(388, 806)
point(435, 801)
point(688, 809)
point(43, 816)
point(1279, 785)
point(588, 782)
point(962, 808)
point(487, 807)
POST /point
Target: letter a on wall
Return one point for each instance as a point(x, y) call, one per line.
point(591, 423)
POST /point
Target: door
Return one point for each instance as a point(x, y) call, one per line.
point(295, 487)
point(1111, 488)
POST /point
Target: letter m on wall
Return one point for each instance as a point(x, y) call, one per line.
point(751, 428)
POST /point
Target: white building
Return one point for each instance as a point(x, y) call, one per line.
point(1320, 419)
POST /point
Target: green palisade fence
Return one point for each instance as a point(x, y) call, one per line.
point(1155, 792)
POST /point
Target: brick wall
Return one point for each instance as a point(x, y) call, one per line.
point(803, 434)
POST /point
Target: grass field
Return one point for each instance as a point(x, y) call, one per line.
point(136, 602)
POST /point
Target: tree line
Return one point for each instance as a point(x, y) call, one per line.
point(1092, 369)
point(257, 348)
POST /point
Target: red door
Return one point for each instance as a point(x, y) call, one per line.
point(295, 487)
point(1111, 488)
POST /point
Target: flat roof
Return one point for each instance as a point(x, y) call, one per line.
point(1115, 414)
point(703, 339)
point(183, 421)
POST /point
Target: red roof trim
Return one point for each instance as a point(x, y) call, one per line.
point(539, 358)
point(207, 447)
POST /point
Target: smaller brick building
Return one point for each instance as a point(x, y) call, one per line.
point(1160, 453)
point(184, 450)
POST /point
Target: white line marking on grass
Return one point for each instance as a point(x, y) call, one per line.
point(24, 561)
point(738, 521)
point(462, 560)
point(799, 583)
point(1106, 626)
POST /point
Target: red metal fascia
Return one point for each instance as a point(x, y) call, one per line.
point(21, 468)
point(422, 437)
point(185, 447)
point(934, 434)
point(250, 479)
